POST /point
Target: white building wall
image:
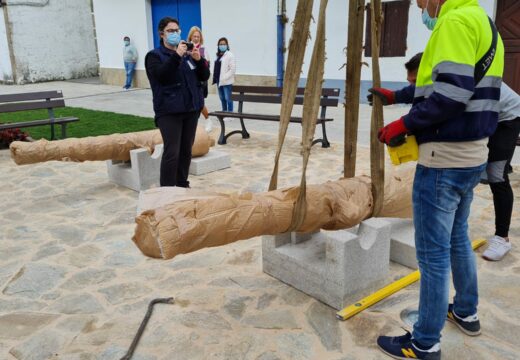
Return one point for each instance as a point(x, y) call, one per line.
point(6, 70)
point(252, 37)
point(251, 30)
point(52, 39)
point(250, 27)
point(116, 19)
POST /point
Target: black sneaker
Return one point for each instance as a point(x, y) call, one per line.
point(404, 347)
point(469, 325)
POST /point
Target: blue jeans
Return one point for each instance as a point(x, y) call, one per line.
point(224, 92)
point(441, 205)
point(130, 69)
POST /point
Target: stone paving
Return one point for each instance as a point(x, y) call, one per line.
point(73, 285)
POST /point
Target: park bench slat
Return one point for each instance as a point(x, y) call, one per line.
point(30, 96)
point(34, 105)
point(272, 95)
point(36, 101)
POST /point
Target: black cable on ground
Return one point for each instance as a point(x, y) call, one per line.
point(139, 333)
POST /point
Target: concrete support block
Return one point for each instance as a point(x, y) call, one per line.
point(402, 243)
point(140, 173)
point(212, 161)
point(335, 267)
point(143, 170)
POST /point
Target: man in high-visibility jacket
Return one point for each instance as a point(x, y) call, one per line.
point(452, 117)
point(502, 145)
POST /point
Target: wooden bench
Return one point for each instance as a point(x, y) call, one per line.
point(272, 95)
point(36, 101)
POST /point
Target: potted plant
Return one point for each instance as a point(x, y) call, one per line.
point(10, 135)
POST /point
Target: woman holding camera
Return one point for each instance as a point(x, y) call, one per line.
point(176, 77)
point(224, 74)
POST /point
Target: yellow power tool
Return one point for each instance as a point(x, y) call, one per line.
point(403, 150)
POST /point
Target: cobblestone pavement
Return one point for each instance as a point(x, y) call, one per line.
point(74, 286)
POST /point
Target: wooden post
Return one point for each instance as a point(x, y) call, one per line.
point(352, 84)
point(377, 150)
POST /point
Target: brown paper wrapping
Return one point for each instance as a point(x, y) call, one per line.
point(191, 224)
point(98, 148)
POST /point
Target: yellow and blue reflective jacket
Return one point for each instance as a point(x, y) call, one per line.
point(448, 105)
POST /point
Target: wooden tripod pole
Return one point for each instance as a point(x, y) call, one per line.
point(352, 84)
point(377, 150)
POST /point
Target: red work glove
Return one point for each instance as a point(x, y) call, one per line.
point(387, 96)
point(393, 134)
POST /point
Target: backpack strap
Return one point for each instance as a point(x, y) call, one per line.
point(482, 66)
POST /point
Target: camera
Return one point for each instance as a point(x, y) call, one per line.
point(189, 45)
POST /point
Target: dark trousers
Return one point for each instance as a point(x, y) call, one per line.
point(178, 133)
point(501, 149)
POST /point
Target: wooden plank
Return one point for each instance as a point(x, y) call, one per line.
point(276, 99)
point(352, 84)
point(38, 123)
point(267, 99)
point(508, 25)
point(395, 29)
point(31, 96)
point(262, 117)
point(377, 150)
point(257, 89)
point(332, 92)
point(32, 105)
point(368, 31)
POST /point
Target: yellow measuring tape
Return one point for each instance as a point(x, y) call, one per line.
point(388, 290)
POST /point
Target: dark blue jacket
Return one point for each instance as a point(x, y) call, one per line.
point(468, 126)
point(177, 83)
point(405, 95)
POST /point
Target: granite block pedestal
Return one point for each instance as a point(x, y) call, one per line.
point(143, 169)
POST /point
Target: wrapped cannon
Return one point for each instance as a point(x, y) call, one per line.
point(98, 148)
point(207, 220)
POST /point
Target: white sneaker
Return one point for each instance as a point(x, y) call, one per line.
point(497, 249)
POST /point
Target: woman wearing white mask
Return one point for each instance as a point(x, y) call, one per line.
point(224, 74)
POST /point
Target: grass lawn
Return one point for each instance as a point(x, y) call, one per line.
point(91, 122)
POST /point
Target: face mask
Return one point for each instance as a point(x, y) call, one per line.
point(427, 19)
point(173, 39)
point(127, 42)
point(222, 48)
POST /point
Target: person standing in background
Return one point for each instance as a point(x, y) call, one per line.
point(195, 36)
point(175, 76)
point(224, 73)
point(502, 146)
point(130, 59)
